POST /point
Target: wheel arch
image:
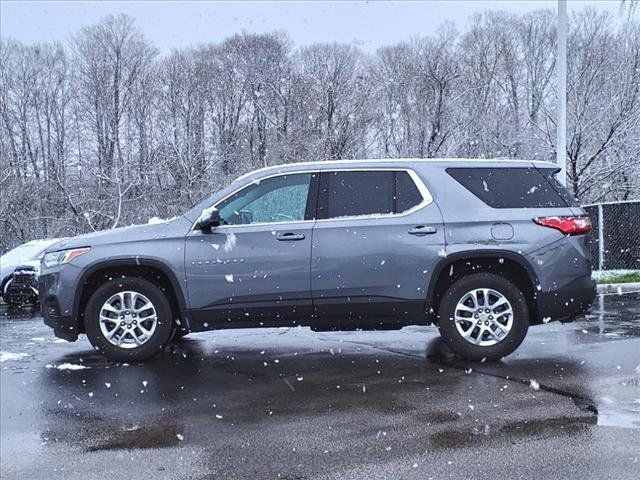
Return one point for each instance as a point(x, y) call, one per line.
point(4, 281)
point(148, 268)
point(509, 264)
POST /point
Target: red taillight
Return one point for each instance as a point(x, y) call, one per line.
point(567, 225)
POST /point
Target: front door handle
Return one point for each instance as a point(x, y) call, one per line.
point(422, 230)
point(283, 237)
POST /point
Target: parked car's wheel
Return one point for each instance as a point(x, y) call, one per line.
point(483, 316)
point(128, 319)
point(3, 292)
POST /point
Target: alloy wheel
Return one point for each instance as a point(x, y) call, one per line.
point(483, 317)
point(128, 319)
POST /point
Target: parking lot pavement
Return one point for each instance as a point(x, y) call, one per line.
point(293, 404)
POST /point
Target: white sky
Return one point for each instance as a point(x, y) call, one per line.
point(169, 24)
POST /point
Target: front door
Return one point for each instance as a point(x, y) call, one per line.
point(254, 269)
point(377, 238)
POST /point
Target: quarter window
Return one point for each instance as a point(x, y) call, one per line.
point(512, 187)
point(272, 200)
point(407, 194)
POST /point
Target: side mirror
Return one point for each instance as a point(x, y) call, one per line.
point(209, 219)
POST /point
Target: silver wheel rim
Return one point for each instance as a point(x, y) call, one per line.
point(483, 317)
point(128, 319)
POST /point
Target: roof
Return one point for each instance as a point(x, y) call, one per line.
point(391, 162)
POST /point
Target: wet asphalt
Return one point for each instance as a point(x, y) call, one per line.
point(294, 404)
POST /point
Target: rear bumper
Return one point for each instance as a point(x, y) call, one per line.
point(568, 302)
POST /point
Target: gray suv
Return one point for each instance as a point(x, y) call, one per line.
point(481, 248)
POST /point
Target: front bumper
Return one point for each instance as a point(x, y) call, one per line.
point(56, 304)
point(568, 302)
point(64, 327)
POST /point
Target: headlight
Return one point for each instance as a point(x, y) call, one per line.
point(63, 256)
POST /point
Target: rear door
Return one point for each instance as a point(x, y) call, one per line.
point(376, 240)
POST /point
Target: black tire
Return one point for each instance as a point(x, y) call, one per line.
point(14, 307)
point(454, 339)
point(156, 342)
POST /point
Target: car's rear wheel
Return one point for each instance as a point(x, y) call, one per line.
point(128, 319)
point(483, 316)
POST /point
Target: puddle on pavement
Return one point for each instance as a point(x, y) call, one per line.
point(616, 412)
point(147, 436)
point(511, 431)
point(608, 331)
point(619, 418)
point(613, 316)
point(96, 434)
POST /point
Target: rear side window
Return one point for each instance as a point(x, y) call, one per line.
point(358, 193)
point(514, 187)
point(349, 194)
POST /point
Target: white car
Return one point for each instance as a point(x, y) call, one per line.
point(27, 255)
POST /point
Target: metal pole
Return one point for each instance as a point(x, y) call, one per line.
point(600, 238)
point(561, 74)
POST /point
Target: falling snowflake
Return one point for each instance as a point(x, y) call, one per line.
point(230, 242)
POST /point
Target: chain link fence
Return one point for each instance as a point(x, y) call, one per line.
point(615, 239)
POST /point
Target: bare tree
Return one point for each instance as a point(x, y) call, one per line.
point(111, 57)
point(603, 102)
point(334, 92)
point(104, 132)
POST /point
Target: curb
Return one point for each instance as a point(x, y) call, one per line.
point(618, 287)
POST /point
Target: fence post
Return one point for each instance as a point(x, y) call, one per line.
point(600, 238)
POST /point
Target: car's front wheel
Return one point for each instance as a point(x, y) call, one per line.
point(483, 316)
point(128, 319)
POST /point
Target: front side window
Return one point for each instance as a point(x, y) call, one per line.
point(272, 200)
point(362, 193)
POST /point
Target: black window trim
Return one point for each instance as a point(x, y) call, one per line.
point(314, 196)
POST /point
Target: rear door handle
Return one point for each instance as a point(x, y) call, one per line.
point(283, 237)
point(422, 230)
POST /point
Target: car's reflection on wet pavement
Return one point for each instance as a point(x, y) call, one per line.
point(290, 403)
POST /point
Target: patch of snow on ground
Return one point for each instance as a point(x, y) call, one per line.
point(4, 356)
point(71, 366)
